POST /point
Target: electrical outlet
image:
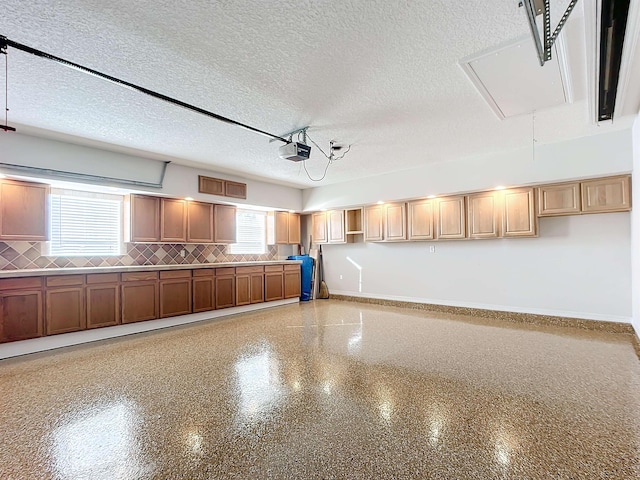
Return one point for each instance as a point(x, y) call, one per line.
point(183, 253)
point(432, 249)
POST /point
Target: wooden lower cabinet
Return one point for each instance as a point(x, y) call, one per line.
point(103, 305)
point(21, 315)
point(175, 293)
point(273, 283)
point(203, 290)
point(139, 293)
point(225, 287)
point(243, 289)
point(292, 284)
point(64, 304)
point(257, 287)
point(102, 299)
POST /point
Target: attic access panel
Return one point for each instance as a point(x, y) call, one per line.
point(511, 80)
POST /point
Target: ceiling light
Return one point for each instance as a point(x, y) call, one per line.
point(188, 199)
point(2, 176)
point(500, 187)
point(431, 196)
point(292, 211)
point(380, 202)
point(323, 210)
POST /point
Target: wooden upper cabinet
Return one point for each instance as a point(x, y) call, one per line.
point(281, 228)
point(235, 189)
point(224, 224)
point(173, 220)
point(319, 227)
point(450, 218)
point(24, 210)
point(483, 215)
point(395, 222)
point(373, 223)
point(562, 199)
point(210, 185)
point(335, 222)
point(294, 229)
point(199, 222)
point(145, 218)
point(606, 195)
point(353, 221)
point(420, 221)
point(518, 216)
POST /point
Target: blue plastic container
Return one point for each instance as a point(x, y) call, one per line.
point(306, 269)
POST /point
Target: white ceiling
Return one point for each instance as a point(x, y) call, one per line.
point(381, 75)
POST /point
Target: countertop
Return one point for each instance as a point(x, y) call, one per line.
point(37, 272)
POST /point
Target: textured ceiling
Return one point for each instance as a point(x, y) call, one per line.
point(381, 75)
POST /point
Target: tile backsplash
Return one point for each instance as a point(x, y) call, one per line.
point(28, 255)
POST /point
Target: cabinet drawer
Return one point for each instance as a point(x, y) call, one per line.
point(257, 269)
point(139, 276)
point(103, 278)
point(65, 280)
point(294, 268)
point(204, 272)
point(225, 271)
point(175, 274)
point(23, 282)
point(273, 268)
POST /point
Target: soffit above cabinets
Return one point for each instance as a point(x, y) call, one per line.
point(512, 81)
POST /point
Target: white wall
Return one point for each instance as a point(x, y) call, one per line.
point(578, 267)
point(180, 181)
point(594, 156)
point(635, 229)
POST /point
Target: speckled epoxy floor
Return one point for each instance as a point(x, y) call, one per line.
point(327, 390)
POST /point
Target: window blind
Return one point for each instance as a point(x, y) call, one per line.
point(250, 233)
point(85, 224)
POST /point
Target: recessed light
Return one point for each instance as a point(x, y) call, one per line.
point(292, 211)
point(323, 210)
point(2, 176)
point(500, 187)
point(431, 196)
point(380, 202)
point(188, 199)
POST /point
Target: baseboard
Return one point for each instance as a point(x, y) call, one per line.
point(34, 345)
point(608, 323)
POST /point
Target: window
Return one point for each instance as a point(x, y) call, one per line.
point(250, 233)
point(85, 224)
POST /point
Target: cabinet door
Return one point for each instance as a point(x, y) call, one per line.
point(451, 221)
point(257, 287)
point(518, 216)
point(421, 220)
point(64, 310)
point(282, 228)
point(139, 301)
point(199, 222)
point(606, 195)
point(319, 227)
point(561, 199)
point(24, 211)
point(145, 218)
point(173, 220)
point(483, 215)
point(175, 297)
point(103, 305)
point(292, 287)
point(294, 228)
point(203, 294)
point(335, 221)
point(225, 291)
point(224, 224)
point(20, 315)
point(373, 223)
point(243, 289)
point(395, 222)
point(273, 286)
